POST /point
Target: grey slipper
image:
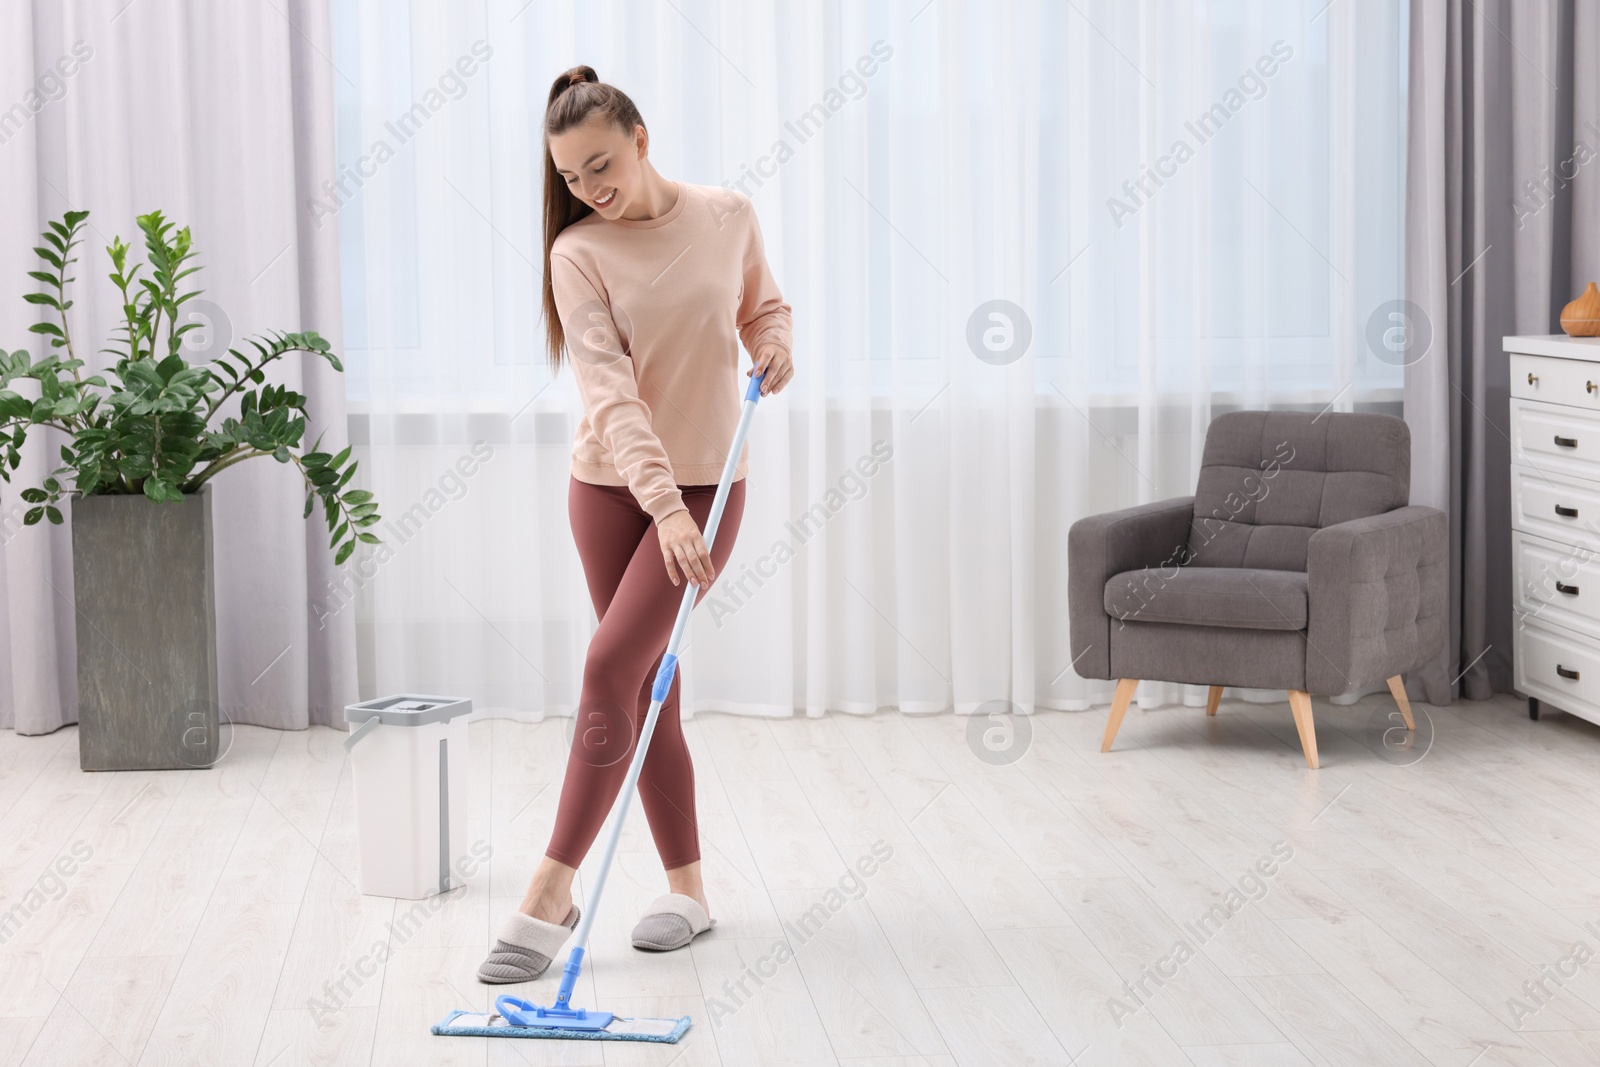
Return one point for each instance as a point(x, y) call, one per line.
point(524, 948)
point(672, 921)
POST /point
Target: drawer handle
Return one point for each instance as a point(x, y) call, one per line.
point(1570, 590)
point(1533, 379)
point(1570, 513)
point(1589, 387)
point(1566, 442)
point(1565, 673)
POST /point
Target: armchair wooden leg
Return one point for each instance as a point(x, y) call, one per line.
point(1398, 688)
point(1119, 708)
point(1213, 699)
point(1300, 704)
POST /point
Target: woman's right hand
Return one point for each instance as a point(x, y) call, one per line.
point(684, 549)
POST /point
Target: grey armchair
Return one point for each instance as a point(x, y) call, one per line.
point(1297, 564)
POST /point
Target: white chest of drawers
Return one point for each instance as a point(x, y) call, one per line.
point(1555, 521)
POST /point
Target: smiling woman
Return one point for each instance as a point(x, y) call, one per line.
point(650, 286)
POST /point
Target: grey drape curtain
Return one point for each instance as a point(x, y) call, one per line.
point(219, 115)
point(1502, 229)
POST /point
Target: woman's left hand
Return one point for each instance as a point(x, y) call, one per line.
point(775, 360)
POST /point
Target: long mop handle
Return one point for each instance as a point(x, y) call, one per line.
point(658, 694)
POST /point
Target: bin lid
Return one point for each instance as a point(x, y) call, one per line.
point(408, 709)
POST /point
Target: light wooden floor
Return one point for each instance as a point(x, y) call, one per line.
point(1017, 901)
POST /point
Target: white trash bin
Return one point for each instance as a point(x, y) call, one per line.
point(409, 756)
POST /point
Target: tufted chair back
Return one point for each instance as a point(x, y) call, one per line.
point(1270, 479)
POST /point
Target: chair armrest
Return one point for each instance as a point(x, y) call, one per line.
point(1376, 591)
point(1099, 546)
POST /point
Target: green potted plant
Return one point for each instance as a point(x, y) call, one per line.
point(144, 448)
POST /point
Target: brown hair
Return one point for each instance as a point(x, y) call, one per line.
point(575, 95)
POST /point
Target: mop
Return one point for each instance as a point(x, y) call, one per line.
point(513, 1017)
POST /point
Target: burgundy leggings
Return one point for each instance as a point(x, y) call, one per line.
point(636, 603)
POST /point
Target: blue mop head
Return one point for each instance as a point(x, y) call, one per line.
point(492, 1024)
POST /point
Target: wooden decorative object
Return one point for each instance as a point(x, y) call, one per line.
point(1581, 318)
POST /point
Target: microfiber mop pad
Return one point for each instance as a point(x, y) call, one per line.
point(492, 1024)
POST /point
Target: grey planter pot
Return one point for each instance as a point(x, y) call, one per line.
point(147, 632)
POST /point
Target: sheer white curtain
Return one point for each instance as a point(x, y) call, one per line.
point(1017, 301)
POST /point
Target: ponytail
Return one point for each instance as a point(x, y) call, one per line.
point(575, 95)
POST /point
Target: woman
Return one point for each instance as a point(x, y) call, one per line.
point(649, 285)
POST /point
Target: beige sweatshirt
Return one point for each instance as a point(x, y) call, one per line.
point(654, 311)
